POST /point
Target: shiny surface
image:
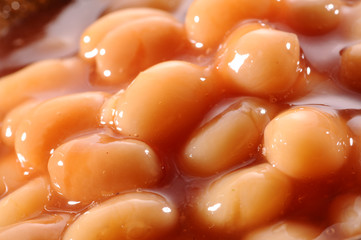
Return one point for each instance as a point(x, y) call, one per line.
point(158, 39)
point(164, 102)
point(307, 143)
point(317, 17)
point(244, 199)
point(52, 122)
point(96, 167)
point(206, 28)
point(227, 140)
point(33, 82)
point(129, 216)
point(98, 30)
point(260, 69)
point(26, 202)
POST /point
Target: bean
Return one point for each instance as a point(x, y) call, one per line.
point(47, 227)
point(307, 143)
point(129, 216)
point(26, 202)
point(207, 21)
point(314, 16)
point(100, 28)
point(243, 199)
point(165, 102)
point(53, 121)
point(12, 175)
point(97, 166)
point(226, 140)
point(39, 78)
point(137, 45)
point(12, 121)
point(247, 65)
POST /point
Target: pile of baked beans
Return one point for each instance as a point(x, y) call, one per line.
point(242, 122)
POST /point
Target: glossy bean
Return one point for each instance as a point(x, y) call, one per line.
point(12, 175)
point(37, 79)
point(137, 45)
point(53, 121)
point(164, 102)
point(100, 28)
point(314, 16)
point(47, 227)
point(26, 202)
point(247, 65)
point(13, 119)
point(98, 166)
point(228, 139)
point(208, 21)
point(307, 143)
point(243, 199)
point(129, 216)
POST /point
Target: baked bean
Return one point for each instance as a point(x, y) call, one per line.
point(38, 78)
point(207, 21)
point(226, 140)
point(244, 199)
point(307, 143)
point(164, 102)
point(345, 210)
point(137, 45)
point(285, 230)
point(350, 67)
point(12, 120)
point(48, 227)
point(98, 166)
point(100, 28)
point(314, 17)
point(12, 175)
point(26, 202)
point(53, 121)
point(248, 65)
point(129, 216)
